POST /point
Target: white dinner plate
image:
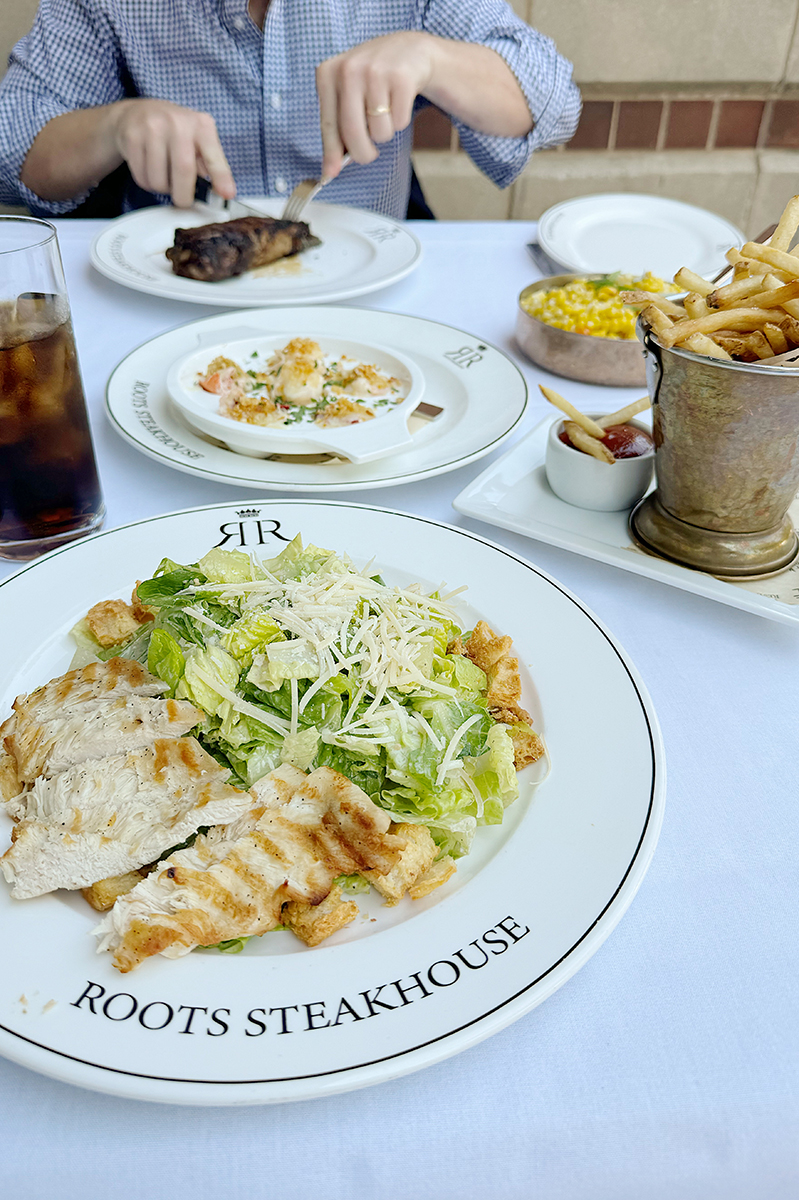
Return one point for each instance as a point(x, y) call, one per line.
point(514, 494)
point(482, 393)
point(360, 252)
point(634, 234)
point(402, 987)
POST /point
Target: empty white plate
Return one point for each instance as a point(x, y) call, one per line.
point(635, 234)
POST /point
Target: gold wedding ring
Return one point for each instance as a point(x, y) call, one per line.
point(381, 111)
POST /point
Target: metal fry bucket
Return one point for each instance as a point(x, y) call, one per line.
point(726, 463)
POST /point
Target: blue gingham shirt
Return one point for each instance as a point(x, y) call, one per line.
point(260, 86)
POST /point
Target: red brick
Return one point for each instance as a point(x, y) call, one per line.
point(739, 123)
point(639, 121)
point(689, 122)
point(784, 128)
point(594, 128)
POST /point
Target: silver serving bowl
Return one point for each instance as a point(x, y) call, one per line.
point(616, 362)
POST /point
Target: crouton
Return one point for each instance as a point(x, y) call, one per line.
point(104, 894)
point(441, 870)
point(141, 612)
point(111, 622)
point(416, 857)
point(485, 648)
point(315, 922)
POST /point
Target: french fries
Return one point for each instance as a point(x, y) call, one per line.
point(586, 424)
point(623, 414)
point(700, 343)
point(665, 305)
point(735, 291)
point(589, 445)
point(657, 320)
point(755, 317)
point(776, 338)
point(787, 225)
point(695, 305)
point(585, 433)
point(727, 318)
point(778, 259)
point(748, 347)
point(689, 281)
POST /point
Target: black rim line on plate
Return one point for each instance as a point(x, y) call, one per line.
point(103, 268)
point(509, 1000)
point(452, 464)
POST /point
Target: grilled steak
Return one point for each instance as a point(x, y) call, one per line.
point(228, 248)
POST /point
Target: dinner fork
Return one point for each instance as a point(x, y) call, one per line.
point(304, 192)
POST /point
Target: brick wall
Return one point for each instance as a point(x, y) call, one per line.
point(693, 99)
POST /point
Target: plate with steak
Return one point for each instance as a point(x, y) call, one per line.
point(188, 254)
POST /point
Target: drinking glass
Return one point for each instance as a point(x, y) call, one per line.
point(49, 490)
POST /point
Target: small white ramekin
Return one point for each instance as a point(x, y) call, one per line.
point(587, 482)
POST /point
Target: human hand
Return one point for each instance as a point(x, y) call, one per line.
point(366, 95)
point(167, 147)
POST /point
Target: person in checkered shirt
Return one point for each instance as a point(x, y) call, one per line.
point(257, 95)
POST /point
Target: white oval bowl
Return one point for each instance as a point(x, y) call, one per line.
point(588, 482)
point(362, 442)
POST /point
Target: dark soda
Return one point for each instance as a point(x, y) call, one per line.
point(49, 490)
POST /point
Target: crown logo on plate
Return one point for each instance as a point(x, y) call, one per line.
point(244, 513)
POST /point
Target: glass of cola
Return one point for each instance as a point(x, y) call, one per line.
point(49, 490)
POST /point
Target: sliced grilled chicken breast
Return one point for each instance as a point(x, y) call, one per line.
point(103, 727)
point(301, 832)
point(95, 681)
point(112, 815)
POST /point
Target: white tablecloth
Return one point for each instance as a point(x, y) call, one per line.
point(667, 1068)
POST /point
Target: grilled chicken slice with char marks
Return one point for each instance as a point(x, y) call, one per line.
point(95, 681)
point(95, 730)
point(112, 815)
point(302, 832)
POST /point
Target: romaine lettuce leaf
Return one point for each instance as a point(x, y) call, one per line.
point(444, 811)
point(295, 659)
point(298, 561)
point(202, 667)
point(494, 775)
point(367, 772)
point(255, 629)
point(165, 658)
point(229, 566)
point(163, 588)
point(460, 672)
point(300, 748)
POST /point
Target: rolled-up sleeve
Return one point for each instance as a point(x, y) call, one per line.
point(69, 60)
point(544, 76)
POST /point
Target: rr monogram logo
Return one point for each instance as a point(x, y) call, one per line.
point(250, 523)
point(383, 233)
point(465, 356)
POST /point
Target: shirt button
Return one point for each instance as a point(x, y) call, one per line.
point(276, 100)
point(239, 22)
point(281, 184)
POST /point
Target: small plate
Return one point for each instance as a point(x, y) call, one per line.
point(360, 252)
point(514, 494)
point(387, 431)
point(634, 234)
point(463, 376)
